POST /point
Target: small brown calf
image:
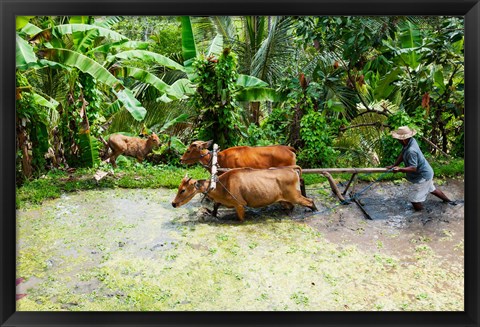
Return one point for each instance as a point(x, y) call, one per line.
point(131, 146)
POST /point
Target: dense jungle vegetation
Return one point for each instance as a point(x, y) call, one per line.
point(332, 87)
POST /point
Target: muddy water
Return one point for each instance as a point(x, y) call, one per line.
point(130, 250)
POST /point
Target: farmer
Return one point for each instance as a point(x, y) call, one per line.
point(418, 170)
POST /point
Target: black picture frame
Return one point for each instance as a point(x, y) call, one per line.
point(469, 9)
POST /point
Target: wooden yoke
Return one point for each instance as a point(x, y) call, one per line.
point(213, 179)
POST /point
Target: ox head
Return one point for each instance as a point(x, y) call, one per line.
point(186, 191)
point(154, 140)
point(195, 152)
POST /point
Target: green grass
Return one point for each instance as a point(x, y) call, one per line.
point(56, 182)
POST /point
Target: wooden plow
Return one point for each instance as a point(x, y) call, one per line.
point(353, 179)
point(354, 171)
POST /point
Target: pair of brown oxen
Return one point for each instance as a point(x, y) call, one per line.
point(260, 176)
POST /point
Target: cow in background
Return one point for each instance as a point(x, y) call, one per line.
point(259, 157)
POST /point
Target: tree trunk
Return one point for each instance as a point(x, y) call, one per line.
point(255, 111)
point(23, 144)
point(294, 138)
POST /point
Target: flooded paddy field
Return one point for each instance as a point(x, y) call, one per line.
point(130, 250)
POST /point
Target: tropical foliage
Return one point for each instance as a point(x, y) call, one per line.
point(332, 87)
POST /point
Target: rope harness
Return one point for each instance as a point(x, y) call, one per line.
point(208, 165)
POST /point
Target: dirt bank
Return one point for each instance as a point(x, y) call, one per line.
point(130, 250)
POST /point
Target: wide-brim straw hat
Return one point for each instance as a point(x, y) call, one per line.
point(403, 133)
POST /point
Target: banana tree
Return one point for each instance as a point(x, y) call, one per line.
point(93, 49)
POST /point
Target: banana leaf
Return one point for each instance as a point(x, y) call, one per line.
point(84, 41)
point(131, 104)
point(225, 26)
point(176, 91)
point(24, 53)
point(22, 21)
point(439, 79)
point(216, 47)
point(189, 50)
point(61, 30)
point(385, 85)
point(250, 81)
point(143, 76)
point(181, 88)
point(109, 21)
point(83, 63)
point(149, 56)
point(179, 119)
point(122, 45)
point(79, 20)
point(89, 149)
point(40, 100)
point(188, 40)
point(255, 94)
point(164, 98)
point(410, 40)
point(97, 71)
point(30, 29)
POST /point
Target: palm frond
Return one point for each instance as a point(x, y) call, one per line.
point(275, 52)
point(361, 141)
point(225, 26)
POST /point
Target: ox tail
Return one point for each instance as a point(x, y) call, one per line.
point(297, 169)
point(301, 182)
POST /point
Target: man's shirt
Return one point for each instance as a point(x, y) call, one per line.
point(413, 156)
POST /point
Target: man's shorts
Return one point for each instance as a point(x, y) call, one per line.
point(418, 191)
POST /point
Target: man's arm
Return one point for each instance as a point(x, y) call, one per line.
point(410, 169)
point(397, 162)
point(412, 160)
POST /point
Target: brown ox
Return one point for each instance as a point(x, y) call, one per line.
point(131, 146)
point(258, 157)
point(242, 187)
